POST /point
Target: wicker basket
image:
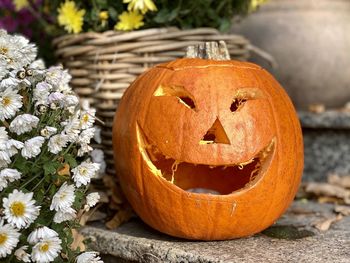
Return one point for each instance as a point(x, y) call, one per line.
point(104, 64)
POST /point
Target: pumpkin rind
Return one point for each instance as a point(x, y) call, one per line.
point(177, 131)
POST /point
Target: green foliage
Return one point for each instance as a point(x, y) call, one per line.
point(179, 13)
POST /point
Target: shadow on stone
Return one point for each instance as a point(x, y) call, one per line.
point(287, 232)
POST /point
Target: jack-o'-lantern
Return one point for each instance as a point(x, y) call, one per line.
point(208, 149)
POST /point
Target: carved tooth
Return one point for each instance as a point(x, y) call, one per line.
point(211, 166)
point(223, 168)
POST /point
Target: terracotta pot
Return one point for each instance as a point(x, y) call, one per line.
point(310, 41)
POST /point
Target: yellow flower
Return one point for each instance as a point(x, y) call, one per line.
point(254, 5)
point(103, 15)
point(141, 5)
point(129, 21)
point(19, 4)
point(70, 17)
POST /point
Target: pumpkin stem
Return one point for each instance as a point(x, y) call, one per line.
point(209, 50)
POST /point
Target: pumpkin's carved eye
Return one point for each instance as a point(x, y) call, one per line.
point(176, 91)
point(237, 104)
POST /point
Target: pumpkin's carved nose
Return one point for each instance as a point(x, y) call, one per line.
point(215, 134)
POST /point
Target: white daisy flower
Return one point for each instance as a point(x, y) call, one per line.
point(89, 257)
point(57, 143)
point(59, 79)
point(62, 216)
point(64, 198)
point(19, 209)
point(9, 82)
point(70, 100)
point(8, 148)
point(46, 250)
point(16, 50)
point(72, 128)
point(8, 175)
point(48, 131)
point(91, 200)
point(23, 123)
point(83, 173)
point(84, 148)
point(3, 69)
point(13, 146)
point(86, 136)
point(40, 234)
point(41, 92)
point(55, 97)
point(32, 147)
point(10, 103)
point(22, 255)
point(87, 118)
point(97, 156)
point(38, 64)
point(19, 79)
point(9, 238)
point(3, 135)
point(3, 183)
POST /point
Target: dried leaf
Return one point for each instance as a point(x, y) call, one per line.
point(317, 108)
point(78, 241)
point(330, 199)
point(65, 170)
point(300, 211)
point(343, 181)
point(116, 193)
point(97, 216)
point(342, 209)
point(103, 197)
point(326, 189)
point(325, 224)
point(119, 218)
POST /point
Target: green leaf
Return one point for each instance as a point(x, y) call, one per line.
point(71, 160)
point(51, 167)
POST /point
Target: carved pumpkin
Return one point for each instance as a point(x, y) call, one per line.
point(208, 149)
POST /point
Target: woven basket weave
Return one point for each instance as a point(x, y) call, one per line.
point(104, 64)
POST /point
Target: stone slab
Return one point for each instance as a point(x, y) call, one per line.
point(326, 143)
point(135, 241)
point(331, 119)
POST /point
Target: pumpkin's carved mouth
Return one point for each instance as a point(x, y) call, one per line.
point(204, 178)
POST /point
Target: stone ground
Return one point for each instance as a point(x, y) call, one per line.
point(136, 242)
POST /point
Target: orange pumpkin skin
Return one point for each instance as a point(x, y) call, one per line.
point(266, 118)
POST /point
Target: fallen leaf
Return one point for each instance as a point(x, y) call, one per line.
point(342, 209)
point(119, 218)
point(317, 108)
point(78, 241)
point(326, 189)
point(97, 216)
point(330, 199)
point(65, 170)
point(325, 224)
point(343, 181)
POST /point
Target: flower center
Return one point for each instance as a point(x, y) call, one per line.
point(18, 208)
point(83, 171)
point(85, 118)
point(44, 247)
point(3, 50)
point(3, 238)
point(6, 101)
